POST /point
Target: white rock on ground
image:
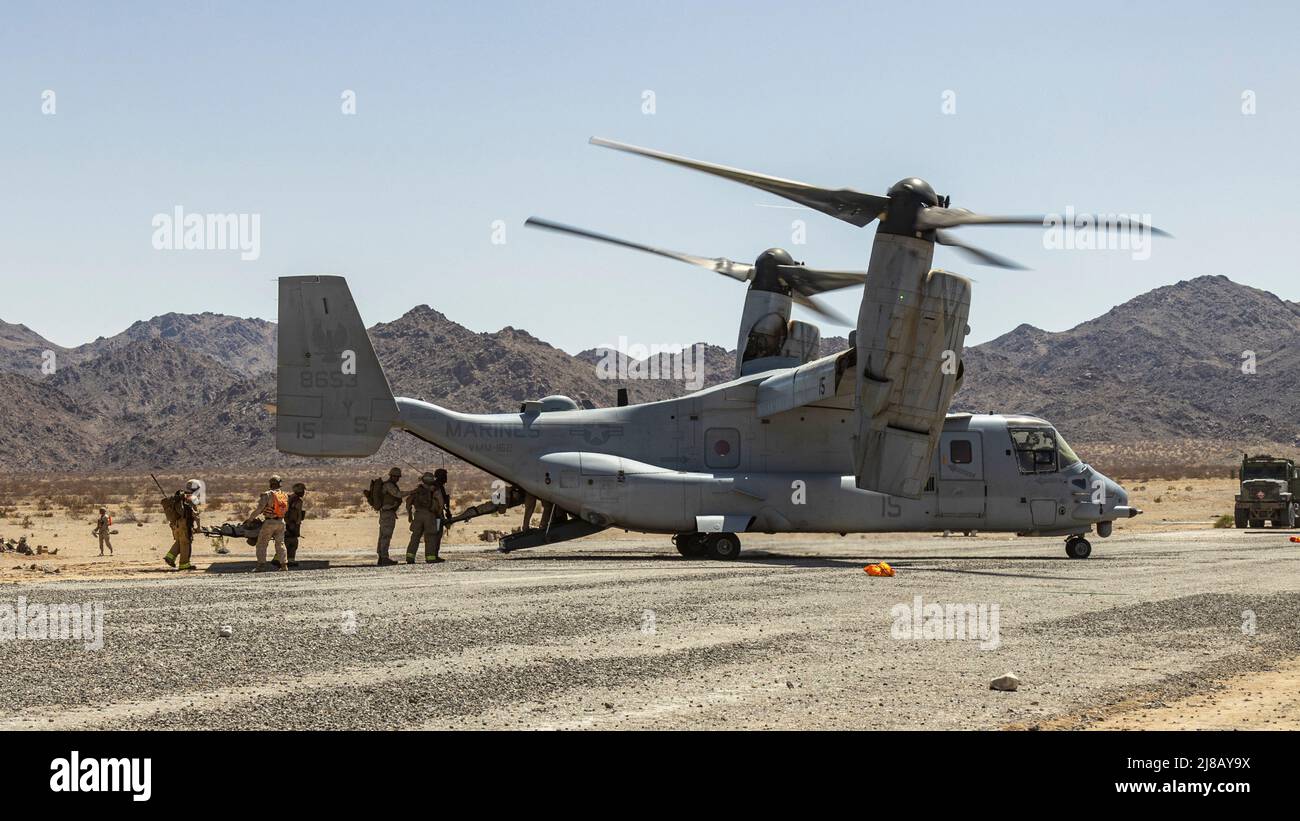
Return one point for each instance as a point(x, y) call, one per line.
point(1007, 681)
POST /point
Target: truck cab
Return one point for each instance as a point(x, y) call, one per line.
point(1270, 488)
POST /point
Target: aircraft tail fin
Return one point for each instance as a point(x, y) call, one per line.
point(333, 398)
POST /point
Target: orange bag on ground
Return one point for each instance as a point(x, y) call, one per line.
point(879, 569)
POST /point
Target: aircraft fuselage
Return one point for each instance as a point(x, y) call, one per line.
point(708, 462)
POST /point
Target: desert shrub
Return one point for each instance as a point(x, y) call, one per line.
point(1225, 520)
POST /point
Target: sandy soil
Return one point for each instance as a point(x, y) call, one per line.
point(1256, 701)
point(348, 535)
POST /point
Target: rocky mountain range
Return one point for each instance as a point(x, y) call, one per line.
point(1159, 375)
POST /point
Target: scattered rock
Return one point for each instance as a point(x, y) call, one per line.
point(1009, 682)
point(225, 631)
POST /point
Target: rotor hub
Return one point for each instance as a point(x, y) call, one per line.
point(916, 188)
point(767, 276)
point(906, 198)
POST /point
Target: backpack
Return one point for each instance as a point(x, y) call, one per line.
point(279, 503)
point(375, 493)
point(172, 509)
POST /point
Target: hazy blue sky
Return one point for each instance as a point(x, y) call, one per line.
point(472, 112)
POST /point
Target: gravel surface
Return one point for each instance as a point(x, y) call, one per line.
point(626, 634)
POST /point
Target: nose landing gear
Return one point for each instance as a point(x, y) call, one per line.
point(1077, 547)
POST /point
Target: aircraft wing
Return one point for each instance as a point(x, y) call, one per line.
point(817, 382)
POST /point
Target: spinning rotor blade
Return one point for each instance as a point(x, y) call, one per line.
point(844, 203)
point(826, 312)
point(978, 254)
point(812, 281)
point(932, 218)
point(736, 270)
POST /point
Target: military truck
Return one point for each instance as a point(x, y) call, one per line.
point(1270, 491)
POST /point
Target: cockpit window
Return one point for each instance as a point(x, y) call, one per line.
point(1068, 456)
point(1041, 450)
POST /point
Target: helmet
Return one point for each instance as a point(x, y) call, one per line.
point(275, 481)
point(299, 487)
point(193, 485)
point(395, 472)
point(427, 478)
point(440, 475)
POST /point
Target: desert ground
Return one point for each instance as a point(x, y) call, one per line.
point(1172, 623)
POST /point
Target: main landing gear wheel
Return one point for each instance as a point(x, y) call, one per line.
point(1077, 547)
point(722, 546)
point(690, 545)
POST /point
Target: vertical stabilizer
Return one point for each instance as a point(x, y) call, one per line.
point(333, 398)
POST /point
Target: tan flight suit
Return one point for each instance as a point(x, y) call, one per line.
point(425, 506)
point(388, 515)
point(272, 528)
point(101, 529)
point(183, 532)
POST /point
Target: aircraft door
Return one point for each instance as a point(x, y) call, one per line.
point(690, 435)
point(960, 487)
point(1043, 512)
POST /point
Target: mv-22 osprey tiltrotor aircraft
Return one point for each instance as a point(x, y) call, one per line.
point(858, 441)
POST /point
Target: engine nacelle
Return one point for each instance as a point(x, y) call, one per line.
point(803, 342)
point(911, 329)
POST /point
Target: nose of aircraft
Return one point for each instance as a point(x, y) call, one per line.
point(1114, 491)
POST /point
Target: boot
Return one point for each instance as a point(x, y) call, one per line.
point(170, 559)
point(384, 561)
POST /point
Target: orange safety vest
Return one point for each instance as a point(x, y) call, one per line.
point(279, 504)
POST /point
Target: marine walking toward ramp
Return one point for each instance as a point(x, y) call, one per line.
point(428, 509)
point(272, 506)
point(390, 499)
point(293, 522)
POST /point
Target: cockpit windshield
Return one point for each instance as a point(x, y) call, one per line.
point(1041, 450)
point(1068, 456)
